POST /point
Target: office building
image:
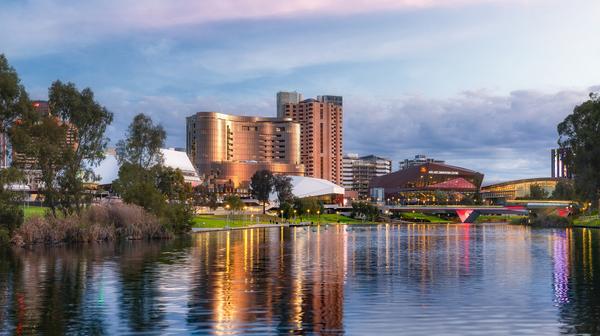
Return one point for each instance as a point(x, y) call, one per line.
point(359, 171)
point(560, 169)
point(320, 137)
point(335, 100)
point(425, 183)
point(284, 98)
point(230, 149)
point(417, 161)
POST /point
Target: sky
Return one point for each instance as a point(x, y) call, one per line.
point(479, 83)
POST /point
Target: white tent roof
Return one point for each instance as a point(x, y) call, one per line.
point(176, 159)
point(108, 170)
point(303, 186)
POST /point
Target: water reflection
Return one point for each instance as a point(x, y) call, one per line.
point(415, 278)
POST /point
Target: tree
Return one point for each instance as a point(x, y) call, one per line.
point(11, 215)
point(564, 190)
point(283, 187)
point(86, 120)
point(14, 101)
point(142, 143)
point(579, 137)
point(537, 192)
point(261, 185)
point(140, 158)
point(364, 210)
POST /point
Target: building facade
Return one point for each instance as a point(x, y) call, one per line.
point(428, 183)
point(231, 149)
point(559, 167)
point(359, 171)
point(417, 161)
point(321, 138)
point(284, 98)
point(499, 193)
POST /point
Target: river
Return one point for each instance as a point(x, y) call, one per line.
point(357, 280)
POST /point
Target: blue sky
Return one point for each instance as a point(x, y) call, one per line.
point(478, 83)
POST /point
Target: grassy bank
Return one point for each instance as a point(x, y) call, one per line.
point(587, 221)
point(498, 219)
point(421, 217)
point(32, 211)
point(220, 221)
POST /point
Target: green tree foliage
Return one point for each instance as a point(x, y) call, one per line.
point(283, 187)
point(11, 215)
point(14, 101)
point(261, 185)
point(40, 142)
point(78, 109)
point(204, 197)
point(143, 143)
point(579, 136)
point(364, 210)
point(307, 206)
point(144, 181)
point(234, 203)
point(537, 192)
point(564, 190)
point(140, 158)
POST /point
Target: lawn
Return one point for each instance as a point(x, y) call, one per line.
point(589, 221)
point(330, 218)
point(220, 221)
point(31, 211)
point(421, 217)
point(497, 218)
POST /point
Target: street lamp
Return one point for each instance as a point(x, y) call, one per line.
point(281, 216)
point(245, 214)
point(227, 209)
point(294, 215)
point(319, 217)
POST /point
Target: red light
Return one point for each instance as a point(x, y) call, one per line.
point(36, 104)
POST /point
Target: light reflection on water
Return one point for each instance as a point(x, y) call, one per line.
point(385, 279)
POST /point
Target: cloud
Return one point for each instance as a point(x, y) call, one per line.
point(503, 136)
point(47, 26)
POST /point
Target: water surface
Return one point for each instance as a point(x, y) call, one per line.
point(387, 279)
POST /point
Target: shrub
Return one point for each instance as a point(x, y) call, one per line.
point(550, 221)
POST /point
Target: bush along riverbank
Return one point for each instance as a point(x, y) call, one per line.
point(94, 224)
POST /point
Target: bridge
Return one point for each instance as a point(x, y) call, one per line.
point(468, 213)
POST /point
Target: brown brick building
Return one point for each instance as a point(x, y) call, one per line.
point(321, 144)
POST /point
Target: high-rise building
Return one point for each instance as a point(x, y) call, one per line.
point(284, 98)
point(359, 171)
point(559, 167)
point(418, 160)
point(335, 100)
point(320, 137)
point(232, 148)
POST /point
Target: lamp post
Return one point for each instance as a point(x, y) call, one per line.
point(319, 217)
point(281, 211)
point(245, 214)
point(294, 215)
point(308, 210)
point(227, 209)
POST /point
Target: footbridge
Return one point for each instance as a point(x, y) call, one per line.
point(468, 214)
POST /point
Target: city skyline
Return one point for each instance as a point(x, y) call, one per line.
point(451, 81)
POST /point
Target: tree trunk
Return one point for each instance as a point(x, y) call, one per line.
point(264, 208)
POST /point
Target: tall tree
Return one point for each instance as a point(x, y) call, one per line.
point(564, 190)
point(537, 192)
point(86, 121)
point(142, 144)
point(261, 185)
point(283, 187)
point(14, 101)
point(579, 135)
point(140, 158)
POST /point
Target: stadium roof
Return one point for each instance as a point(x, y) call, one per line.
point(303, 186)
point(108, 170)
